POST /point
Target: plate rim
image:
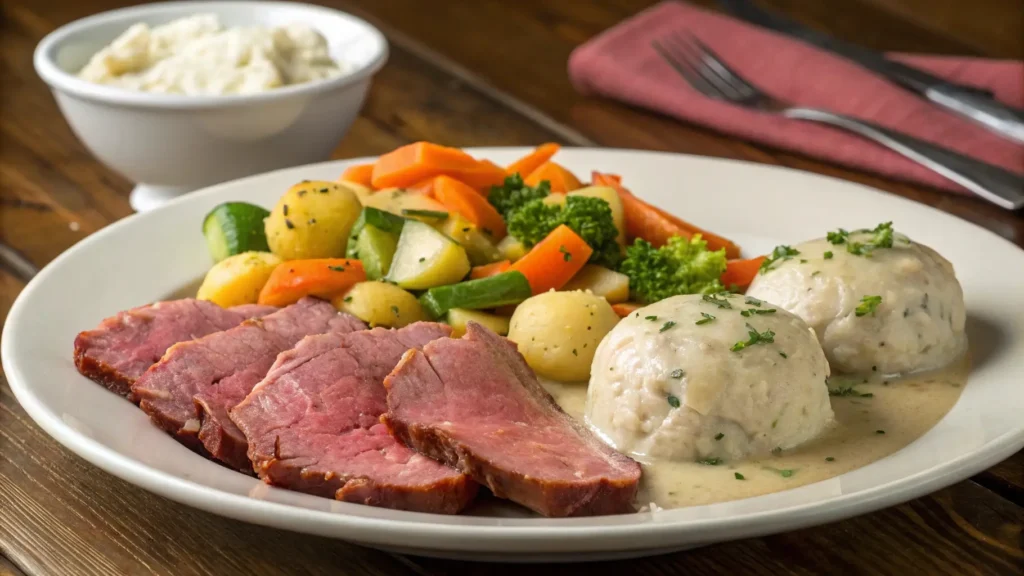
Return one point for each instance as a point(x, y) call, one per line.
point(478, 537)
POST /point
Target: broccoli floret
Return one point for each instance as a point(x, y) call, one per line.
point(591, 218)
point(514, 193)
point(679, 267)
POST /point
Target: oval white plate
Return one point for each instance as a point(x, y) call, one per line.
point(158, 254)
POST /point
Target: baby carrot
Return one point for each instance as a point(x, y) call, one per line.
point(322, 277)
point(554, 260)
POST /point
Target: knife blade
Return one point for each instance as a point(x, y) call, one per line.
point(966, 101)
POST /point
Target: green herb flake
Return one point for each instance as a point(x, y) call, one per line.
point(868, 305)
point(706, 318)
point(828, 255)
point(566, 255)
point(816, 272)
point(395, 310)
point(666, 326)
point(738, 476)
point(752, 311)
point(435, 214)
point(651, 318)
point(837, 237)
point(710, 461)
point(844, 391)
point(336, 268)
point(829, 459)
point(574, 352)
point(783, 354)
point(347, 299)
point(716, 300)
point(779, 254)
point(284, 209)
point(677, 373)
point(289, 224)
point(753, 301)
point(879, 431)
point(882, 238)
point(755, 337)
point(423, 258)
point(719, 436)
point(673, 401)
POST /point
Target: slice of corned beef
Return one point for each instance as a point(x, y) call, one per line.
point(189, 391)
point(313, 425)
point(124, 346)
point(474, 404)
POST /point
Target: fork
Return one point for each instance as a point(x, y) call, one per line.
point(706, 73)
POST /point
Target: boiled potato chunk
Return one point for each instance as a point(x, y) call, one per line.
point(395, 200)
point(360, 190)
point(478, 247)
point(312, 220)
point(380, 304)
point(609, 195)
point(608, 284)
point(425, 258)
point(238, 279)
point(511, 249)
point(459, 317)
point(558, 332)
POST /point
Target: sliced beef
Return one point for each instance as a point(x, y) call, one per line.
point(124, 346)
point(189, 391)
point(474, 404)
point(313, 425)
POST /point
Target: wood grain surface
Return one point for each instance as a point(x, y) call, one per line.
point(487, 72)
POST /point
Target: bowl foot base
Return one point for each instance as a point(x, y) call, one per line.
point(146, 197)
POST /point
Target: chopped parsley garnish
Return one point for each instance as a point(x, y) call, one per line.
point(673, 401)
point(779, 254)
point(783, 354)
point(284, 209)
point(867, 305)
point(289, 224)
point(423, 258)
point(828, 255)
point(753, 301)
point(436, 214)
point(716, 300)
point(574, 352)
point(829, 459)
point(336, 268)
point(738, 476)
point(719, 436)
point(883, 236)
point(816, 272)
point(677, 373)
point(651, 318)
point(844, 391)
point(566, 255)
point(837, 237)
point(347, 299)
point(710, 461)
point(395, 310)
point(755, 337)
point(666, 326)
point(784, 472)
point(706, 318)
point(879, 431)
point(751, 311)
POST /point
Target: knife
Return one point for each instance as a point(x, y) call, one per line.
point(967, 101)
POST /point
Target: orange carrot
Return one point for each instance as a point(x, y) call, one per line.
point(655, 225)
point(481, 176)
point(554, 260)
point(624, 309)
point(322, 277)
point(561, 179)
point(539, 155)
point(463, 199)
point(488, 270)
point(360, 174)
point(741, 272)
point(414, 163)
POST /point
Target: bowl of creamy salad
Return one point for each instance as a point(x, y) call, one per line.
point(181, 95)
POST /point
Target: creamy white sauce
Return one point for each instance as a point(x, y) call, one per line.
point(197, 55)
point(904, 409)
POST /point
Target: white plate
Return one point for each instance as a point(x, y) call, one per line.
point(156, 255)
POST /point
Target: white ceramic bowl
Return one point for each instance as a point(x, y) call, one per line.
point(170, 144)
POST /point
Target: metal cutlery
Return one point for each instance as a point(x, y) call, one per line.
point(703, 70)
point(967, 101)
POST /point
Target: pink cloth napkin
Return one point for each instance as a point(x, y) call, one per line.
point(620, 64)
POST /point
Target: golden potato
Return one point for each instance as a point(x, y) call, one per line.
point(238, 279)
point(312, 220)
point(458, 318)
point(395, 200)
point(380, 304)
point(558, 332)
point(611, 285)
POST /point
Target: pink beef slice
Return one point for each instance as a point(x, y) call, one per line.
point(313, 425)
point(474, 404)
point(124, 346)
point(189, 391)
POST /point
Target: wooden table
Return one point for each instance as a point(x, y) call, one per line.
point(485, 72)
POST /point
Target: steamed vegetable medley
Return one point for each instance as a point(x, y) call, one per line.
point(428, 232)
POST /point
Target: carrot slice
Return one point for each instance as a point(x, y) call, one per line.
point(624, 309)
point(560, 178)
point(539, 155)
point(322, 277)
point(655, 225)
point(488, 270)
point(414, 163)
point(481, 176)
point(360, 174)
point(741, 272)
point(463, 199)
point(554, 260)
